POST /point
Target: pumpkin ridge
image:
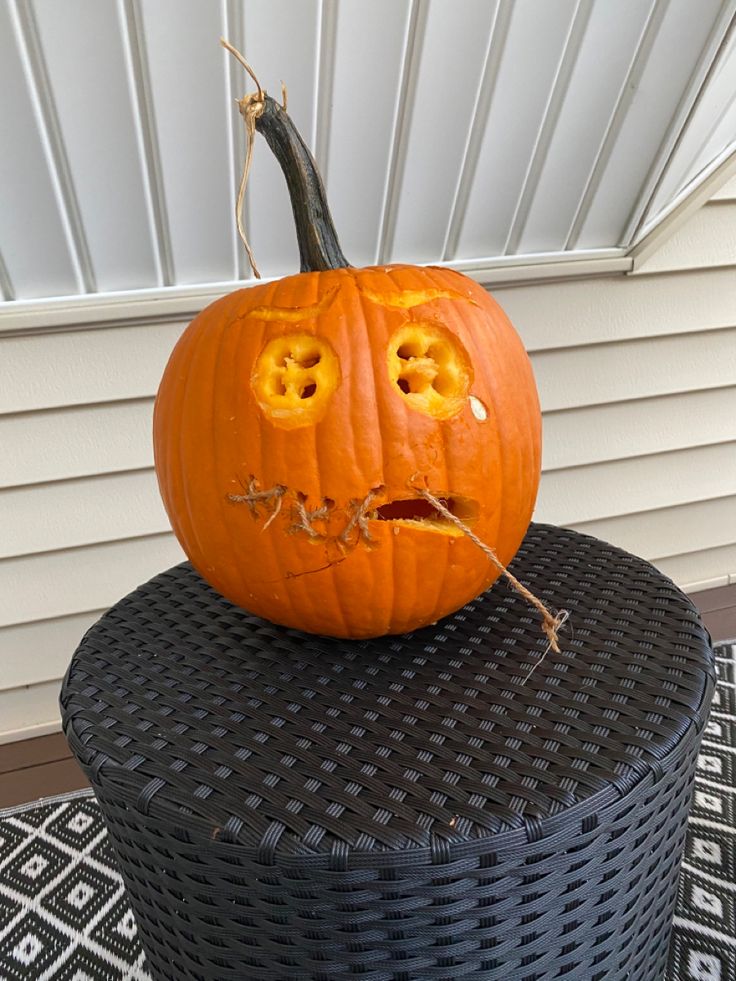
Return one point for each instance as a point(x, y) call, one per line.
point(296, 593)
point(482, 328)
point(166, 462)
point(399, 548)
point(493, 418)
point(215, 436)
point(208, 381)
point(200, 348)
point(507, 546)
point(330, 569)
point(368, 342)
point(398, 286)
point(249, 340)
point(444, 432)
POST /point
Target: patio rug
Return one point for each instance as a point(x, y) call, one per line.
point(64, 915)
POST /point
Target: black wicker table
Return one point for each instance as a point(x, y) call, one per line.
point(285, 806)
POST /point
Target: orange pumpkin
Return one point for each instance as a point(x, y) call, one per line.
point(298, 423)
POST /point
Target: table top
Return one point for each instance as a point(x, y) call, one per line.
point(195, 712)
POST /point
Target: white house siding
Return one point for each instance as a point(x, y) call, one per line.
point(637, 377)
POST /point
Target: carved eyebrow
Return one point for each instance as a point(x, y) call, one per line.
point(406, 299)
point(293, 315)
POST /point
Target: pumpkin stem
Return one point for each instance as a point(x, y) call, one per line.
point(319, 248)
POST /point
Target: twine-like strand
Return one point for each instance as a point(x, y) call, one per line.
point(303, 518)
point(255, 496)
point(359, 519)
point(250, 107)
point(562, 618)
point(551, 623)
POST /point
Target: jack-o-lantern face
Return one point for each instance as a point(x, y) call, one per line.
point(315, 410)
point(301, 424)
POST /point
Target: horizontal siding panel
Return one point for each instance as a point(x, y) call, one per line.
point(605, 490)
point(620, 308)
point(58, 584)
point(692, 569)
point(79, 367)
point(697, 588)
point(72, 513)
point(32, 653)
point(576, 437)
point(75, 442)
point(28, 707)
point(669, 531)
point(708, 239)
point(597, 374)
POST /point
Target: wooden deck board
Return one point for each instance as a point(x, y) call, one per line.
point(43, 780)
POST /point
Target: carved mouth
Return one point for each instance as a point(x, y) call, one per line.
point(448, 515)
point(417, 512)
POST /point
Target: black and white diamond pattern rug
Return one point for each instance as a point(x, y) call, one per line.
point(64, 915)
point(63, 911)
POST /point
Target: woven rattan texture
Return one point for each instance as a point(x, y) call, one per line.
point(287, 806)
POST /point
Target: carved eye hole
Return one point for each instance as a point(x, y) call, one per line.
point(294, 378)
point(430, 368)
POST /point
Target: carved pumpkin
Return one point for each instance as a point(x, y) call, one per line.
point(298, 421)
